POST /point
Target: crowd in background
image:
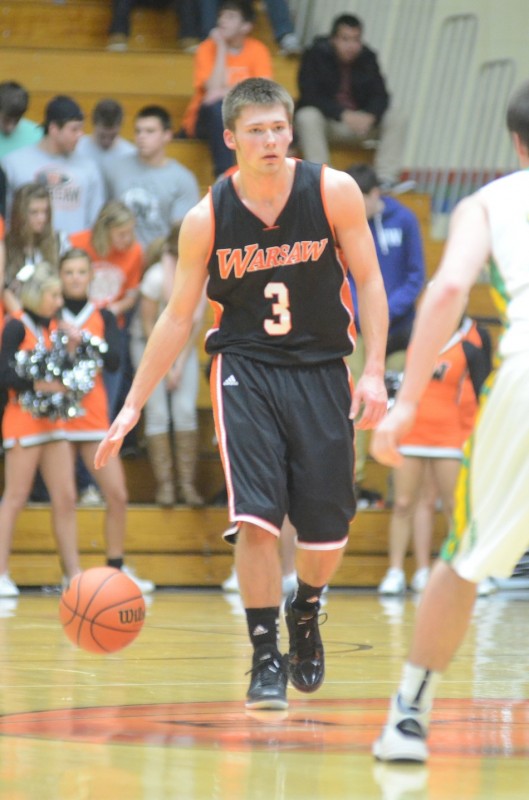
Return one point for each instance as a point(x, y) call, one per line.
point(93, 219)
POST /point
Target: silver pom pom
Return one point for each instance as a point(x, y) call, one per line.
point(76, 371)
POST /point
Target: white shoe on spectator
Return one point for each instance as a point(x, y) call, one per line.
point(91, 497)
point(289, 583)
point(289, 45)
point(118, 43)
point(8, 587)
point(231, 584)
point(144, 585)
point(420, 579)
point(394, 582)
point(486, 586)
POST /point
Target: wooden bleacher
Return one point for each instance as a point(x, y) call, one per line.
point(59, 48)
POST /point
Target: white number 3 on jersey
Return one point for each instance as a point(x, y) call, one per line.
point(282, 322)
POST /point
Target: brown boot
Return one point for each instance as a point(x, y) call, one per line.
point(186, 454)
point(160, 456)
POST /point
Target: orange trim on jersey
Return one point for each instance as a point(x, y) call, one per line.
point(345, 291)
point(324, 203)
point(220, 430)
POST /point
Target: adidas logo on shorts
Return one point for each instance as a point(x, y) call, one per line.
point(231, 380)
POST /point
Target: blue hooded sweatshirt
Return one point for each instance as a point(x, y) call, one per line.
point(400, 254)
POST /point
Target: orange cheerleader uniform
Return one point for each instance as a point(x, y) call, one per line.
point(18, 425)
point(94, 423)
point(447, 409)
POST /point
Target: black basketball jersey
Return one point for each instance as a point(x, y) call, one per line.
point(280, 292)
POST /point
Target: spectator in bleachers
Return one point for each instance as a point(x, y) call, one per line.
point(15, 130)
point(29, 441)
point(117, 260)
point(119, 31)
point(278, 13)
point(172, 405)
point(105, 143)
point(343, 99)
point(84, 432)
point(159, 190)
point(75, 183)
point(31, 238)
point(227, 57)
point(398, 243)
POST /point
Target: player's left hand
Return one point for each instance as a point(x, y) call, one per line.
point(386, 438)
point(371, 398)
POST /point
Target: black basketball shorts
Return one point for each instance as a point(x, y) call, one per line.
point(286, 442)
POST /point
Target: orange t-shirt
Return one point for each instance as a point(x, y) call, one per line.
point(115, 273)
point(253, 61)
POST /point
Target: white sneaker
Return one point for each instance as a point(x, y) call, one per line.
point(145, 586)
point(420, 579)
point(394, 582)
point(91, 497)
point(404, 736)
point(289, 583)
point(8, 587)
point(289, 45)
point(486, 586)
point(231, 584)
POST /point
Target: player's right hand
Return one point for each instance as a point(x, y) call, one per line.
point(111, 444)
point(386, 438)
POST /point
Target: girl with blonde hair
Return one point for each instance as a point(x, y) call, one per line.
point(32, 442)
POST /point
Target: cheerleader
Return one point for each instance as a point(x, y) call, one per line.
point(433, 450)
point(86, 431)
point(29, 441)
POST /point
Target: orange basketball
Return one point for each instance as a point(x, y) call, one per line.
point(102, 611)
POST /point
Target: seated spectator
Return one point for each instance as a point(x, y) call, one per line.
point(31, 238)
point(278, 13)
point(29, 441)
point(227, 57)
point(117, 259)
point(398, 243)
point(75, 183)
point(85, 432)
point(15, 130)
point(343, 99)
point(159, 190)
point(120, 24)
point(104, 143)
point(172, 405)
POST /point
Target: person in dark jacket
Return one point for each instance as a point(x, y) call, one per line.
point(343, 98)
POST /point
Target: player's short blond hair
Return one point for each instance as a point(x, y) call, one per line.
point(255, 92)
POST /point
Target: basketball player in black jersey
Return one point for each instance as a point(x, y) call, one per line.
point(271, 242)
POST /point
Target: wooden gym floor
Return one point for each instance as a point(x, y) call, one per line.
point(164, 719)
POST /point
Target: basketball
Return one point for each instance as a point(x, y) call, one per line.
point(102, 611)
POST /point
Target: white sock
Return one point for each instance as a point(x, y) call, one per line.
point(417, 687)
